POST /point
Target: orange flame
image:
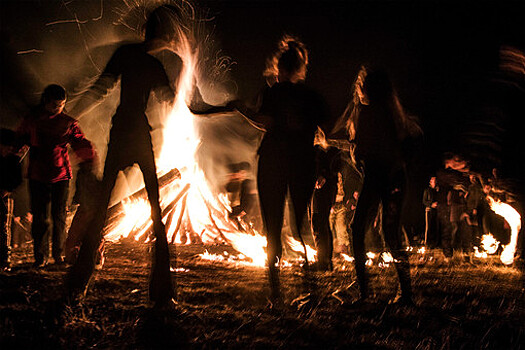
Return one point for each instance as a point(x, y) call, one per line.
point(513, 218)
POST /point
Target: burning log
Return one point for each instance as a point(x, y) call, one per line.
point(117, 212)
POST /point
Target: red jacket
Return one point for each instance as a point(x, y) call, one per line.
point(48, 138)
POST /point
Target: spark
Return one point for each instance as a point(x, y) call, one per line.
point(23, 52)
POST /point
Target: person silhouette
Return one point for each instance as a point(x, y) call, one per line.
point(140, 74)
point(378, 126)
point(290, 112)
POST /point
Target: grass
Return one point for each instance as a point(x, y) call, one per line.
point(224, 305)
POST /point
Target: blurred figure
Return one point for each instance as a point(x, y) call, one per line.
point(461, 233)
point(341, 217)
point(140, 75)
point(242, 194)
point(475, 198)
point(48, 131)
point(329, 165)
point(431, 224)
point(290, 113)
point(87, 188)
point(379, 126)
point(10, 179)
point(460, 238)
point(22, 230)
point(494, 137)
point(450, 180)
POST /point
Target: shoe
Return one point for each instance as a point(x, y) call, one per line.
point(59, 261)
point(5, 266)
point(100, 262)
point(39, 264)
point(402, 300)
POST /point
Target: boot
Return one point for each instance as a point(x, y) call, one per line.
point(275, 284)
point(403, 272)
point(161, 287)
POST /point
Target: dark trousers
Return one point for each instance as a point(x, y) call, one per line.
point(46, 197)
point(323, 199)
point(277, 174)
point(431, 228)
point(119, 157)
point(381, 185)
point(447, 232)
point(461, 236)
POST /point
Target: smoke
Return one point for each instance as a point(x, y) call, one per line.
point(70, 42)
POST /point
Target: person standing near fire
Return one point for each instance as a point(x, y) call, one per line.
point(48, 131)
point(379, 126)
point(290, 113)
point(140, 75)
point(430, 202)
point(329, 166)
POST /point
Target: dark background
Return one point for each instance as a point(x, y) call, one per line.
point(437, 52)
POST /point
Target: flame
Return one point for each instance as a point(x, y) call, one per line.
point(489, 243)
point(387, 257)
point(196, 212)
point(298, 247)
point(513, 218)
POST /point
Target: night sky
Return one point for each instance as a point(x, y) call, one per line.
point(436, 52)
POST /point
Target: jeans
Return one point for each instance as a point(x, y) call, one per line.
point(45, 197)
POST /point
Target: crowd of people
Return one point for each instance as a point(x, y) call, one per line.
point(295, 159)
point(457, 211)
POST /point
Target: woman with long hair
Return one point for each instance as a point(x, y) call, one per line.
point(380, 128)
point(290, 113)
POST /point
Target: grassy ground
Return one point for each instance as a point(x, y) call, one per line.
point(224, 305)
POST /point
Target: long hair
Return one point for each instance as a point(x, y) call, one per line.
point(291, 57)
point(373, 87)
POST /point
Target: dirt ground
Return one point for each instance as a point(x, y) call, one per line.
point(223, 305)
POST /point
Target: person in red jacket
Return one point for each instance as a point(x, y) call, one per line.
point(49, 132)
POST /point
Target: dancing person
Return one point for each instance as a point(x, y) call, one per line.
point(140, 74)
point(87, 187)
point(290, 112)
point(378, 126)
point(48, 131)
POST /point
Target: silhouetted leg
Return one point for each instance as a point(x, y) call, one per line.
point(40, 195)
point(392, 232)
point(367, 207)
point(80, 273)
point(161, 285)
point(323, 234)
point(301, 186)
point(272, 187)
point(446, 234)
point(59, 196)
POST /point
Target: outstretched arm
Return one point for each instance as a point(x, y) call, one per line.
point(98, 91)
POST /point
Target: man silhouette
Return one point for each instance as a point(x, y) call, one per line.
point(140, 74)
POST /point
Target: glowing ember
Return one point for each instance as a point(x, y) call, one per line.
point(347, 257)
point(387, 257)
point(513, 218)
